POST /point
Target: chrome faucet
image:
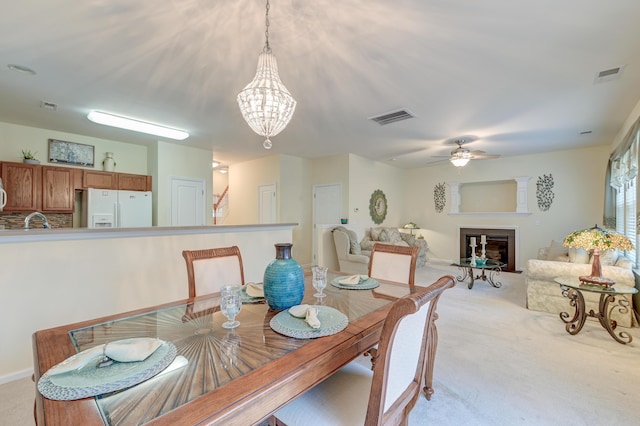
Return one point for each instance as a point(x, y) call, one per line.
point(42, 217)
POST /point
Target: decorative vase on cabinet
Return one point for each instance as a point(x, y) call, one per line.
point(283, 280)
point(109, 163)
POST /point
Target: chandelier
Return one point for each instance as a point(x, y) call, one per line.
point(266, 105)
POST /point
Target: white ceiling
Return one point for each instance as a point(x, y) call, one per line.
point(518, 76)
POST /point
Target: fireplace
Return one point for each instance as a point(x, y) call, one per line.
point(501, 245)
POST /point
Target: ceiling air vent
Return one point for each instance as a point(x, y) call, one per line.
point(392, 117)
point(610, 74)
point(48, 105)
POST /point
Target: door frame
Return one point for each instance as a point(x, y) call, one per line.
point(201, 213)
point(314, 227)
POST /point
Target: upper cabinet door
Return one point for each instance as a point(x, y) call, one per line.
point(129, 182)
point(22, 183)
point(57, 189)
point(100, 180)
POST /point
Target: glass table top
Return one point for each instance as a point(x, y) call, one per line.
point(574, 282)
point(490, 264)
point(215, 356)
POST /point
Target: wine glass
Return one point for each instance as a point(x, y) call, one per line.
point(319, 280)
point(230, 305)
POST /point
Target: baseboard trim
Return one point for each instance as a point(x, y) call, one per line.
point(17, 375)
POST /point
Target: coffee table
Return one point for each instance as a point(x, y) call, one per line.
point(610, 299)
point(492, 266)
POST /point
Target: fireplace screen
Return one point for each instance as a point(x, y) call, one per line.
point(500, 245)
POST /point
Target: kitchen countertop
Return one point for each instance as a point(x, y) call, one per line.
point(62, 234)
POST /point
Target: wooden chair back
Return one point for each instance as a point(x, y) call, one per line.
point(404, 360)
point(394, 263)
point(209, 270)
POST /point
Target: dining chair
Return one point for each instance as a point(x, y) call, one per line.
point(355, 395)
point(393, 263)
point(209, 270)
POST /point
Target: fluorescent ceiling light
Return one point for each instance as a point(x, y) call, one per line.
point(136, 125)
point(223, 171)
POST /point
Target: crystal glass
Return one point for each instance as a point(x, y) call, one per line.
point(319, 279)
point(230, 305)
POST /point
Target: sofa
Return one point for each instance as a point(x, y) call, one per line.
point(545, 295)
point(395, 237)
point(350, 258)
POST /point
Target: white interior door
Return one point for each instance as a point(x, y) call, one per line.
point(327, 209)
point(267, 203)
point(187, 201)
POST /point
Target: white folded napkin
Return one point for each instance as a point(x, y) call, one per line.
point(127, 350)
point(254, 290)
point(353, 279)
point(312, 317)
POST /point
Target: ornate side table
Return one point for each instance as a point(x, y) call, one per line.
point(610, 299)
point(494, 267)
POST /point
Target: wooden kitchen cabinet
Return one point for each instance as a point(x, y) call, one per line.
point(100, 180)
point(22, 183)
point(57, 189)
point(130, 182)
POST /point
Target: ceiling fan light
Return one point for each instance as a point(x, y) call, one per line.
point(459, 161)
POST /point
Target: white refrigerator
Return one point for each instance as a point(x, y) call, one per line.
point(108, 208)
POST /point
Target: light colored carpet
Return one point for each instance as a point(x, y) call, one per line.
point(500, 364)
point(497, 364)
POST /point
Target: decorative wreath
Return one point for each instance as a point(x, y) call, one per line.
point(378, 207)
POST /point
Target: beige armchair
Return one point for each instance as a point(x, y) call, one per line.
point(351, 263)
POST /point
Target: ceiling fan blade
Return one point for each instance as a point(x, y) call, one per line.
point(484, 157)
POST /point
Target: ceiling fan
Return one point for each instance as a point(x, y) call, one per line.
point(460, 156)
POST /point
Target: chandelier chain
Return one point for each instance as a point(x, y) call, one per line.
point(267, 48)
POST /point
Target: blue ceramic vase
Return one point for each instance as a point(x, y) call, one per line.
point(283, 280)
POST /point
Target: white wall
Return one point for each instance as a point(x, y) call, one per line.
point(51, 283)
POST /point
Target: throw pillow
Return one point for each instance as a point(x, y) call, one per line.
point(393, 235)
point(556, 250)
point(375, 234)
point(354, 246)
point(578, 255)
point(408, 238)
point(623, 262)
point(384, 237)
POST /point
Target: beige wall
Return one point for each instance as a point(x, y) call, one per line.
point(334, 169)
point(244, 179)
point(14, 138)
point(82, 279)
point(578, 176)
point(292, 176)
point(365, 176)
point(176, 160)
point(296, 204)
point(161, 160)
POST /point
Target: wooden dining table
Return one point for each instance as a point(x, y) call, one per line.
point(231, 377)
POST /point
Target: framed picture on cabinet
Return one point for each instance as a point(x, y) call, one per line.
point(71, 153)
